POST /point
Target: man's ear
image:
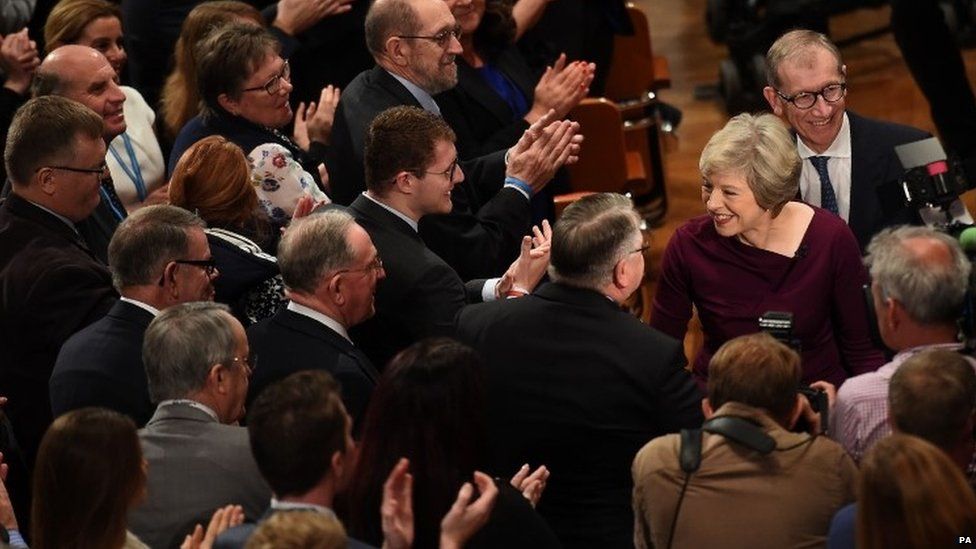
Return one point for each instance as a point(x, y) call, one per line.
point(228, 104)
point(707, 410)
point(217, 378)
point(334, 290)
point(338, 463)
point(621, 273)
point(797, 410)
point(403, 182)
point(396, 50)
point(774, 100)
point(45, 179)
point(893, 313)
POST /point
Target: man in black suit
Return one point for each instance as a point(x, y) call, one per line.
point(52, 283)
point(855, 155)
point(411, 167)
point(331, 268)
point(578, 384)
point(159, 257)
point(414, 43)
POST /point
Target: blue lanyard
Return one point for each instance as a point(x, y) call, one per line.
point(108, 200)
point(136, 175)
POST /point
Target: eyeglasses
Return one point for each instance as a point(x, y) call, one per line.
point(375, 265)
point(250, 362)
point(642, 249)
point(448, 173)
point(804, 100)
point(274, 85)
point(209, 267)
point(101, 171)
point(442, 39)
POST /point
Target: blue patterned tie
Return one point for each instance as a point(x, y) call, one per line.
point(828, 200)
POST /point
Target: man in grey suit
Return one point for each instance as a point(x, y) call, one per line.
point(848, 160)
point(197, 365)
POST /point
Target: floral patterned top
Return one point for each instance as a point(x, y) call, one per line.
point(280, 181)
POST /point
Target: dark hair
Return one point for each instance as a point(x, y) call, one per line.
point(146, 241)
point(932, 396)
point(44, 131)
point(401, 139)
point(87, 474)
point(429, 407)
point(755, 370)
point(226, 58)
point(497, 30)
point(295, 426)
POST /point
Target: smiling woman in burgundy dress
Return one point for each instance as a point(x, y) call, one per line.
point(758, 250)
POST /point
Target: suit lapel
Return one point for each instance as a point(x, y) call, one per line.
point(381, 218)
point(22, 208)
point(313, 328)
point(393, 86)
point(863, 195)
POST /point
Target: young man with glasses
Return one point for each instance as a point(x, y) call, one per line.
point(848, 160)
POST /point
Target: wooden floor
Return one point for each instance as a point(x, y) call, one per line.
point(879, 86)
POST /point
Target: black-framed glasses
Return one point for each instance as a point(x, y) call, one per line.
point(209, 267)
point(641, 250)
point(273, 86)
point(375, 265)
point(442, 39)
point(101, 171)
point(831, 93)
point(448, 173)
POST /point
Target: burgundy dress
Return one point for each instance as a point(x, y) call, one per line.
point(731, 284)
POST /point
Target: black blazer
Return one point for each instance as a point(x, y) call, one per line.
point(290, 342)
point(481, 118)
point(482, 234)
point(102, 366)
point(420, 295)
point(876, 202)
point(579, 385)
point(52, 286)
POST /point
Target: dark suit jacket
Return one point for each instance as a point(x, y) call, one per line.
point(482, 119)
point(290, 342)
point(102, 366)
point(51, 286)
point(579, 385)
point(420, 295)
point(874, 203)
point(482, 234)
point(195, 465)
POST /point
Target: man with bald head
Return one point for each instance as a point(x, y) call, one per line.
point(84, 75)
point(919, 280)
point(414, 44)
point(53, 285)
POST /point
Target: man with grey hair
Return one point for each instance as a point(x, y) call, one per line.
point(847, 159)
point(159, 257)
point(414, 44)
point(53, 285)
point(330, 269)
point(919, 280)
point(577, 383)
point(198, 363)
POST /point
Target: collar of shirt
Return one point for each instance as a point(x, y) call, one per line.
point(297, 506)
point(67, 221)
point(398, 213)
point(322, 318)
point(145, 306)
point(421, 95)
point(840, 148)
point(192, 404)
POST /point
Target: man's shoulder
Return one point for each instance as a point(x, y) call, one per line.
point(659, 453)
point(875, 132)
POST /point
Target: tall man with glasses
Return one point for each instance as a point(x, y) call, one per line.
point(414, 44)
point(330, 269)
point(52, 283)
point(848, 160)
point(159, 257)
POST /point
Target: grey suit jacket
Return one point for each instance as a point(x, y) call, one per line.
point(195, 465)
